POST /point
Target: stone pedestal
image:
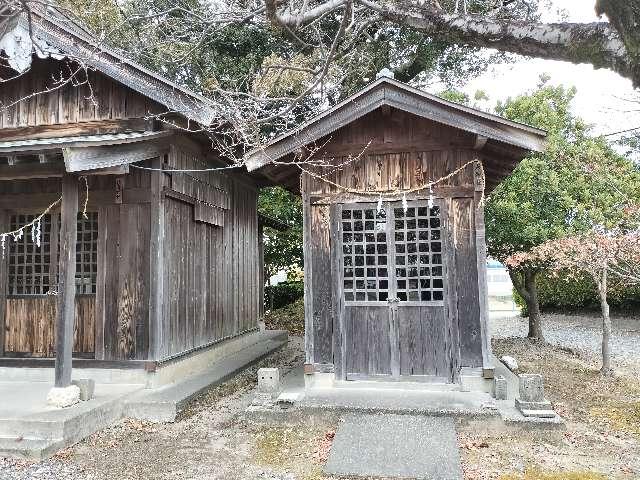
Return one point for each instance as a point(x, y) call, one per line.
point(531, 401)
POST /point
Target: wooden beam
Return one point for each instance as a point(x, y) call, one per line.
point(73, 129)
point(66, 282)
point(480, 142)
point(33, 170)
point(118, 170)
point(97, 198)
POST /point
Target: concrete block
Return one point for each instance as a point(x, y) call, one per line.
point(63, 396)
point(87, 386)
point(531, 388)
point(269, 381)
point(500, 388)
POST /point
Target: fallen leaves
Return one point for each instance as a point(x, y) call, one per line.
point(321, 455)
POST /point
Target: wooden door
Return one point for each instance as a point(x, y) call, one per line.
point(392, 296)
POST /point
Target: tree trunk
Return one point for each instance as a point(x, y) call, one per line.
point(535, 322)
point(606, 326)
point(529, 292)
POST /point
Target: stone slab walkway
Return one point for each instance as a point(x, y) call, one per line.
point(396, 446)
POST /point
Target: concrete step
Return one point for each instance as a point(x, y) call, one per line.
point(69, 424)
point(165, 403)
point(28, 449)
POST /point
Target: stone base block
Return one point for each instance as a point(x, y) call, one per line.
point(64, 396)
point(86, 386)
point(543, 405)
point(538, 413)
point(535, 409)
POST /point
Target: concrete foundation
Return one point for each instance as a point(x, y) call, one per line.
point(29, 428)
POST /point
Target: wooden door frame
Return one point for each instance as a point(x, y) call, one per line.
point(449, 297)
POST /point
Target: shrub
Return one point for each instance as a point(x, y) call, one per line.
point(566, 293)
point(285, 293)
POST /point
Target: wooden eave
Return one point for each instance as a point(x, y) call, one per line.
point(513, 140)
point(61, 35)
point(108, 153)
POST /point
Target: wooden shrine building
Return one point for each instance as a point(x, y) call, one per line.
point(395, 281)
point(163, 264)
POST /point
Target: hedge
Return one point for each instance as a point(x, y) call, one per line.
point(283, 294)
point(563, 293)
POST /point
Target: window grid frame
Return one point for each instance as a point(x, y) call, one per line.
point(84, 269)
point(391, 255)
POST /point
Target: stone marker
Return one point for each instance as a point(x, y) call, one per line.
point(268, 387)
point(86, 386)
point(531, 401)
point(63, 396)
point(500, 390)
point(269, 381)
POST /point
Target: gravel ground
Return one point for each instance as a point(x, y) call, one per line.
point(580, 332)
point(211, 440)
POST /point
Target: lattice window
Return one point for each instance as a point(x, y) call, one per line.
point(418, 254)
point(364, 249)
point(29, 265)
point(33, 269)
point(87, 253)
point(392, 254)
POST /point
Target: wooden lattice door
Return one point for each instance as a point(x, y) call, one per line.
point(391, 273)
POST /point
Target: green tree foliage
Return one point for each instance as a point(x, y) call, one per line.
point(282, 249)
point(579, 183)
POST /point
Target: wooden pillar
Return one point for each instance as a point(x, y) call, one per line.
point(4, 276)
point(481, 258)
point(156, 316)
point(66, 283)
point(261, 269)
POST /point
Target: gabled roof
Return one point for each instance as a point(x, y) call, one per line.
point(390, 92)
point(56, 35)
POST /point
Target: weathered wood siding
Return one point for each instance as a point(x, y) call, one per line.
point(389, 150)
point(211, 271)
point(91, 96)
point(30, 326)
point(112, 324)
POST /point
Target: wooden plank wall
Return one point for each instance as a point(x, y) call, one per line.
point(113, 323)
point(387, 151)
point(96, 97)
point(211, 273)
point(30, 326)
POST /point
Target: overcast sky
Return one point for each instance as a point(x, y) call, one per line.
point(601, 93)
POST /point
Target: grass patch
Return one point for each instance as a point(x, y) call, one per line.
point(534, 474)
point(289, 318)
point(291, 448)
point(624, 417)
